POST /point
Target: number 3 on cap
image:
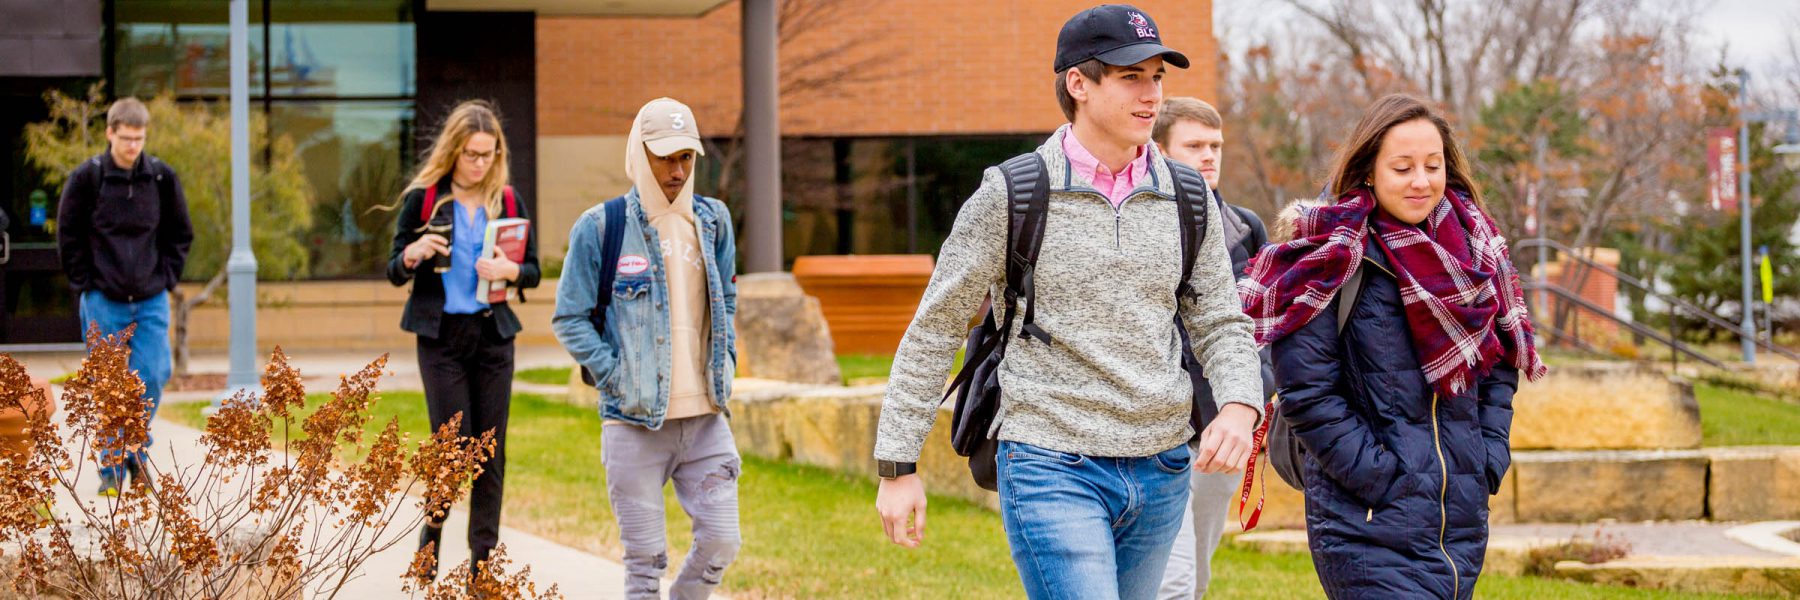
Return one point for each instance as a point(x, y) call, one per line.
point(675, 121)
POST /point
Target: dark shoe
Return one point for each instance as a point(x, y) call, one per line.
point(477, 559)
point(136, 474)
point(434, 537)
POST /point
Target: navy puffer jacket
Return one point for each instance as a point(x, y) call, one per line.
point(1396, 483)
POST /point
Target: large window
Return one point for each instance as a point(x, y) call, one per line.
point(886, 195)
point(336, 77)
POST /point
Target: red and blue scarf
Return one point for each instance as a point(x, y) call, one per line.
point(1460, 291)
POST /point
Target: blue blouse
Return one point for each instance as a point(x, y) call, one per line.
point(465, 247)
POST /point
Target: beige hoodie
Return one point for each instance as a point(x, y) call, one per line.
point(689, 392)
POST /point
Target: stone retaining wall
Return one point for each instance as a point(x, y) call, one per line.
point(834, 428)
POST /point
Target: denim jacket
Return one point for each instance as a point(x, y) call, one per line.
point(630, 360)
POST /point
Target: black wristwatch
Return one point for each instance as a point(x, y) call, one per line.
point(888, 469)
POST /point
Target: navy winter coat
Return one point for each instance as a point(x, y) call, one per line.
point(1396, 482)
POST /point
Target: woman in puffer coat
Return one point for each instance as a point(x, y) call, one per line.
point(1404, 413)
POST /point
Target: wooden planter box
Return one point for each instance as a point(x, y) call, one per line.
point(868, 300)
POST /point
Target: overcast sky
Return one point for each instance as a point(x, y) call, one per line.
point(1752, 32)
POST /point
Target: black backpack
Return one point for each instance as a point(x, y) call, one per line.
point(977, 387)
point(1285, 453)
point(612, 238)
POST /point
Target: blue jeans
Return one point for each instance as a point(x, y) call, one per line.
point(150, 355)
point(1089, 527)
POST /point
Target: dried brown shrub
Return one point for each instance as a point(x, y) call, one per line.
point(247, 522)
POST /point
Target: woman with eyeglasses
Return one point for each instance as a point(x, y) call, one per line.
point(465, 345)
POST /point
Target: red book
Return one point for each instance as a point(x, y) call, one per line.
point(505, 237)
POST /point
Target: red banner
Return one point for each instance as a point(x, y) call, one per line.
point(1721, 169)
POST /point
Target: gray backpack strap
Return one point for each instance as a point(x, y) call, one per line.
point(1347, 296)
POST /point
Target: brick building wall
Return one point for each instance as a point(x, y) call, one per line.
point(934, 67)
point(922, 68)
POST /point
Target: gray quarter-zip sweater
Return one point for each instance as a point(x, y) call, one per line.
point(1111, 382)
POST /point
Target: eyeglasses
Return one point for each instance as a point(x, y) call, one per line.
point(480, 157)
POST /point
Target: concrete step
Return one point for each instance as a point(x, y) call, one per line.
point(1695, 557)
point(1694, 574)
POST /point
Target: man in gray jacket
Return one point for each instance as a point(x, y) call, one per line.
point(1093, 462)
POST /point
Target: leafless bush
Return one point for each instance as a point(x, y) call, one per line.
point(248, 522)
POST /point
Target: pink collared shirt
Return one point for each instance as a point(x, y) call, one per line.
point(1115, 186)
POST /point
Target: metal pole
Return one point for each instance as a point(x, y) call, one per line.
point(1537, 205)
point(762, 138)
point(1748, 335)
point(240, 269)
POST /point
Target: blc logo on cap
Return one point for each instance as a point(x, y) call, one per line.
point(1144, 30)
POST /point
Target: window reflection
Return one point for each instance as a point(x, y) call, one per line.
point(355, 157)
point(339, 83)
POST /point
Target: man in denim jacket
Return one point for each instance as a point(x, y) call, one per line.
point(664, 359)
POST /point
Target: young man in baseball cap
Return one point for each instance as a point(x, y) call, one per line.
point(664, 358)
point(1093, 461)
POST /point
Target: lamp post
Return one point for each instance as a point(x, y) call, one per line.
point(1748, 334)
point(1788, 153)
point(240, 269)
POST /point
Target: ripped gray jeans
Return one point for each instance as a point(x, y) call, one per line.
point(701, 456)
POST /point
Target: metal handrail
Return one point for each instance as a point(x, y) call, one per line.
point(1639, 328)
point(1703, 314)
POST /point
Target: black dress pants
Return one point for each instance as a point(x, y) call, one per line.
point(468, 369)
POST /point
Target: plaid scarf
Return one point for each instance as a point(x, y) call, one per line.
point(1460, 291)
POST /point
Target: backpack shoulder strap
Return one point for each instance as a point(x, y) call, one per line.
point(1347, 296)
point(1190, 193)
point(1242, 219)
point(612, 237)
point(1028, 203)
point(430, 203)
point(512, 203)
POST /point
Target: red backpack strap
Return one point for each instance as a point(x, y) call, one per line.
point(430, 201)
point(512, 203)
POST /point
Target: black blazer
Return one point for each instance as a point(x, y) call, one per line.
point(425, 306)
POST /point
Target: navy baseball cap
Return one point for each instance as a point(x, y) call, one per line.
point(1117, 34)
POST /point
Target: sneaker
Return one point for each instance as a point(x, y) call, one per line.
point(109, 486)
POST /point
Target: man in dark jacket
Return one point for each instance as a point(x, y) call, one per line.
point(123, 233)
point(1191, 131)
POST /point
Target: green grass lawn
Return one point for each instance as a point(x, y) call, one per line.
point(812, 533)
point(1730, 417)
point(861, 366)
point(544, 375)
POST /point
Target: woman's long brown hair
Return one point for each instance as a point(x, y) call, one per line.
point(1354, 163)
point(466, 120)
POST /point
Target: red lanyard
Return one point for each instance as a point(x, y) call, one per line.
point(1262, 433)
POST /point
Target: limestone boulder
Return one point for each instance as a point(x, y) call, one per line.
point(1758, 483)
point(834, 428)
point(781, 332)
point(1605, 410)
point(1583, 487)
point(1777, 577)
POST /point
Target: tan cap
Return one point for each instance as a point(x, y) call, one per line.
point(667, 127)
